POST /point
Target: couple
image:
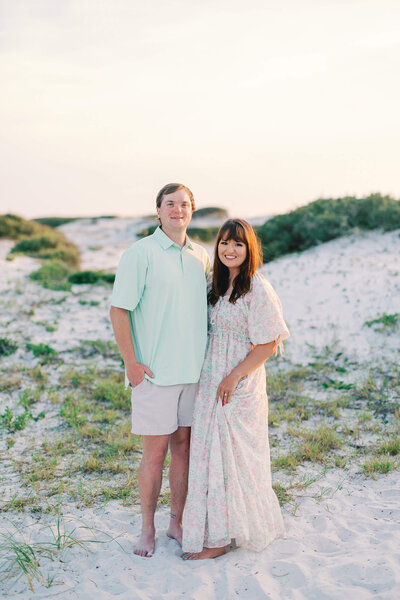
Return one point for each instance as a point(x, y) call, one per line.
point(159, 317)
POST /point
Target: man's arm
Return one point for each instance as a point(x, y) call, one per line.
point(122, 331)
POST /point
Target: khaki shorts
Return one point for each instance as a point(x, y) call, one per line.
point(159, 409)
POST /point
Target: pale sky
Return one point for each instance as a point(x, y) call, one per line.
point(258, 106)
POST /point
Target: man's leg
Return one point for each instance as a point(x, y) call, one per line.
point(178, 479)
point(150, 478)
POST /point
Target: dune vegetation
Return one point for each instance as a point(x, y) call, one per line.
point(210, 211)
point(82, 277)
point(37, 240)
point(58, 221)
point(59, 256)
point(325, 220)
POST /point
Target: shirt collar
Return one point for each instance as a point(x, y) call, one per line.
point(166, 242)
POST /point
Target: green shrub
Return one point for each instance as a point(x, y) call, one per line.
point(204, 234)
point(12, 226)
point(82, 277)
point(324, 220)
point(53, 245)
point(210, 211)
point(56, 221)
point(90, 348)
point(7, 347)
point(108, 277)
point(13, 422)
point(53, 275)
point(89, 302)
point(41, 350)
point(34, 245)
point(38, 240)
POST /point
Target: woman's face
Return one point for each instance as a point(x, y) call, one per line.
point(232, 253)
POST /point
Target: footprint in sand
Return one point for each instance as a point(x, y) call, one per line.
point(319, 523)
point(376, 578)
point(289, 572)
point(325, 545)
point(345, 534)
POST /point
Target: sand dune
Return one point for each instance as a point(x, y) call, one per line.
point(343, 532)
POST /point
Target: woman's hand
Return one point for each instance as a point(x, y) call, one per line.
point(255, 358)
point(227, 387)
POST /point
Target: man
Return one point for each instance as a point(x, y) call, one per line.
point(159, 317)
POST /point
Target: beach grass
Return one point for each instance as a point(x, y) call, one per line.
point(22, 557)
point(385, 322)
point(382, 465)
point(89, 456)
point(92, 438)
point(317, 418)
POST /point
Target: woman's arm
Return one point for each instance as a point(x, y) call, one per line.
point(255, 358)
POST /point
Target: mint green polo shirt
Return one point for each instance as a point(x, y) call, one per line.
point(163, 288)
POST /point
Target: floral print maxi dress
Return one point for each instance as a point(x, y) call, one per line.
point(230, 492)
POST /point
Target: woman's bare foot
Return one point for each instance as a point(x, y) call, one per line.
point(175, 532)
point(145, 545)
point(205, 553)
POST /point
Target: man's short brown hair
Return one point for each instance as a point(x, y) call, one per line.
point(170, 188)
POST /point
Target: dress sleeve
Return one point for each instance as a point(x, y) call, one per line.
point(207, 267)
point(209, 281)
point(130, 279)
point(266, 322)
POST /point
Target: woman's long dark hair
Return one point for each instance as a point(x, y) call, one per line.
point(240, 231)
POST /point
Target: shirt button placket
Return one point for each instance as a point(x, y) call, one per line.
point(182, 262)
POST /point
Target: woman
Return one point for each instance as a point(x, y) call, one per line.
point(230, 492)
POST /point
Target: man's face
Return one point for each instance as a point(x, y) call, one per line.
point(175, 211)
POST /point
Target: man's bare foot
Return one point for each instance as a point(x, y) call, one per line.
point(145, 545)
point(205, 553)
point(175, 531)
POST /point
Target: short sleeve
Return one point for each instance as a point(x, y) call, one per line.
point(266, 322)
point(130, 279)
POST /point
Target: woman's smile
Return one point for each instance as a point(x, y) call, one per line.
point(232, 253)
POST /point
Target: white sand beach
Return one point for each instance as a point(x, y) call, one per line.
point(343, 530)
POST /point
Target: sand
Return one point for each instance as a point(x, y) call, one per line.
point(346, 546)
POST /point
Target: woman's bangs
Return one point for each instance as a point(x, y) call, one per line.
point(233, 231)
